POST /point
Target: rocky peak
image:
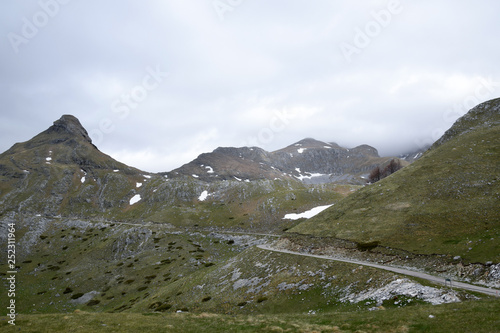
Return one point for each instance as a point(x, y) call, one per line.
point(71, 125)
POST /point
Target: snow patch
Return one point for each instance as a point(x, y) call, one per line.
point(210, 169)
point(84, 174)
point(203, 196)
point(196, 176)
point(301, 150)
point(138, 184)
point(135, 199)
point(311, 175)
point(307, 214)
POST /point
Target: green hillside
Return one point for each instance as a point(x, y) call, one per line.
point(447, 202)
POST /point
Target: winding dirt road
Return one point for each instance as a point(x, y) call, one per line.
point(432, 278)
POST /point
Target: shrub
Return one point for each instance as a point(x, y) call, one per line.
point(367, 246)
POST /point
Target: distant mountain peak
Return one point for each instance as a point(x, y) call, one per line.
point(71, 125)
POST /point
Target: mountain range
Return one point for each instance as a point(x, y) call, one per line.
point(61, 172)
point(309, 160)
point(95, 235)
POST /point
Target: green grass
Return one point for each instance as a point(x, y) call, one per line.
point(151, 268)
point(472, 316)
point(258, 206)
point(123, 264)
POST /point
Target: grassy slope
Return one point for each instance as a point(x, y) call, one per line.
point(446, 202)
point(122, 263)
point(256, 206)
point(476, 316)
point(260, 281)
point(154, 268)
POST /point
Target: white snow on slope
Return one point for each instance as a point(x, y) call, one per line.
point(307, 214)
point(210, 169)
point(136, 198)
point(311, 175)
point(301, 150)
point(203, 196)
point(84, 174)
point(138, 184)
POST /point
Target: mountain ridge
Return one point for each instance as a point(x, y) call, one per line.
point(60, 172)
point(308, 160)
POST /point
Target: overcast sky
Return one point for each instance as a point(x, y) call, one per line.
point(156, 83)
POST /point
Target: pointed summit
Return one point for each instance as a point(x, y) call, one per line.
point(60, 171)
point(71, 125)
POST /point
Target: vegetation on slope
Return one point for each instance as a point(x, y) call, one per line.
point(472, 316)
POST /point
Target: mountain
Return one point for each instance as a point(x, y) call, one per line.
point(60, 172)
point(446, 202)
point(309, 160)
point(226, 163)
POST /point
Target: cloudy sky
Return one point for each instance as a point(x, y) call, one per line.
point(157, 83)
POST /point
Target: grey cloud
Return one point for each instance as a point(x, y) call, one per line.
point(227, 79)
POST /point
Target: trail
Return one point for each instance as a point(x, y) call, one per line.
point(428, 277)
